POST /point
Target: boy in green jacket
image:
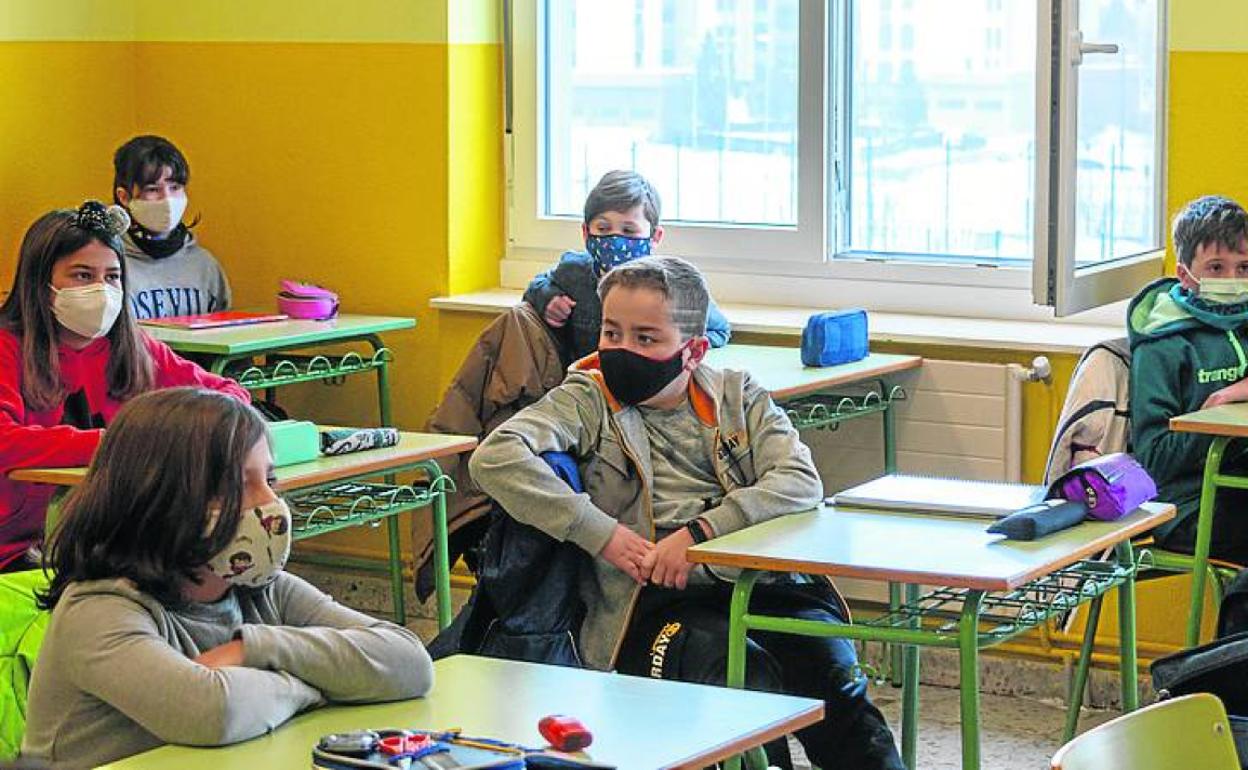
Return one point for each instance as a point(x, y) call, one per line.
point(1188, 342)
point(672, 452)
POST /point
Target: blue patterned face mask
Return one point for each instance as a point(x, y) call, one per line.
point(611, 251)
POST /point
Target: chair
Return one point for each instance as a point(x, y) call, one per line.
point(1187, 732)
point(22, 626)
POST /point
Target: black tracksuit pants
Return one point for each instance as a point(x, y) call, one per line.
point(683, 635)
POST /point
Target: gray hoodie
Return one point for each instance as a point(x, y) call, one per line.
point(187, 282)
point(115, 675)
point(763, 466)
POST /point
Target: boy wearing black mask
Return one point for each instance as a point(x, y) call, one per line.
point(672, 452)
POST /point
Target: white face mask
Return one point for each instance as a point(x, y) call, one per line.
point(1224, 291)
point(159, 216)
point(89, 311)
point(259, 549)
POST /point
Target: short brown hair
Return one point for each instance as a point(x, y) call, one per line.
point(1206, 221)
point(622, 191)
point(677, 280)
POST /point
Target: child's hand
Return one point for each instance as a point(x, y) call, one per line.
point(628, 551)
point(1228, 395)
point(228, 654)
point(668, 564)
point(558, 310)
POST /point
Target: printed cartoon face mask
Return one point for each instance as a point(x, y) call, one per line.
point(259, 549)
point(611, 251)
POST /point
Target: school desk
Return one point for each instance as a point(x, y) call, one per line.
point(990, 590)
point(331, 493)
point(809, 394)
point(636, 722)
point(1224, 423)
point(275, 342)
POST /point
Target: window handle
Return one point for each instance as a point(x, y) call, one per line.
point(1081, 48)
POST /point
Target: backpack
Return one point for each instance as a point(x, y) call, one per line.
point(1096, 417)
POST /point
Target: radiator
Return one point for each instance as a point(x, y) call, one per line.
point(958, 419)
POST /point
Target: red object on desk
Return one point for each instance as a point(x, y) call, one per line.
point(564, 733)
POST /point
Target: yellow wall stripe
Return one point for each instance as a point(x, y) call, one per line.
point(1208, 25)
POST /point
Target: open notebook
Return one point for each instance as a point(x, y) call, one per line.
point(901, 492)
point(214, 320)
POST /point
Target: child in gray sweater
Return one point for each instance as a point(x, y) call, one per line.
point(172, 618)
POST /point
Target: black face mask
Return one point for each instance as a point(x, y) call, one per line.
point(632, 378)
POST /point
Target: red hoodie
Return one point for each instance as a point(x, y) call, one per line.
point(67, 435)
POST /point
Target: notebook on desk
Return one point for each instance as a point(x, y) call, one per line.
point(214, 320)
point(961, 497)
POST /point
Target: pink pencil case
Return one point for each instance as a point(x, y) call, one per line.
point(307, 301)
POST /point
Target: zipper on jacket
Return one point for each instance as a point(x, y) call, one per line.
point(1239, 352)
point(649, 508)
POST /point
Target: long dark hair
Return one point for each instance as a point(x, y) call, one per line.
point(142, 512)
point(27, 311)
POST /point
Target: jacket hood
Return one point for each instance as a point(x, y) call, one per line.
point(1154, 313)
point(705, 387)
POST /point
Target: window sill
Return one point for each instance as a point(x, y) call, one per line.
point(995, 334)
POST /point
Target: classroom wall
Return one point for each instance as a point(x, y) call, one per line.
point(321, 137)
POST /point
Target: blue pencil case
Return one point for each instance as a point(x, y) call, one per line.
point(836, 337)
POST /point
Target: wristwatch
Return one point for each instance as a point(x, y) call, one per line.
point(695, 529)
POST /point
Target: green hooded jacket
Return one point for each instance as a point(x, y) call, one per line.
point(1180, 355)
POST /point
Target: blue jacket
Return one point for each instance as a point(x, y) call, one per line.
point(576, 276)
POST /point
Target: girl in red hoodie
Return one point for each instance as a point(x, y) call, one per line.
point(70, 355)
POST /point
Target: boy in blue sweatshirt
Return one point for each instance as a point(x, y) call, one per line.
point(1188, 341)
point(621, 224)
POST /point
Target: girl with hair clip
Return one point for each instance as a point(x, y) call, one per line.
point(170, 273)
point(172, 618)
point(70, 355)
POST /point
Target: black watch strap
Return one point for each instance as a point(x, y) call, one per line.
point(695, 529)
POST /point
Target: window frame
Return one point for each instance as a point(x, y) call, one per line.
point(795, 265)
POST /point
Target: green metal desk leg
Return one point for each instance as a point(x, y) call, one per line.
point(737, 630)
point(889, 418)
point(1081, 669)
point(441, 557)
point(1204, 533)
point(1129, 671)
point(383, 382)
point(968, 681)
point(892, 652)
point(910, 690)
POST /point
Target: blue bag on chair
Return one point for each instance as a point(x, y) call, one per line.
point(835, 337)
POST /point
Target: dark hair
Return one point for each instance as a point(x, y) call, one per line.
point(1206, 221)
point(677, 280)
point(142, 512)
point(27, 311)
point(622, 191)
point(139, 162)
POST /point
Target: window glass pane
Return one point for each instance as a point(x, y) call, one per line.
point(1116, 202)
point(942, 128)
point(700, 96)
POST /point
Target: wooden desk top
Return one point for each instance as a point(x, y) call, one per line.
point(1225, 420)
point(275, 335)
point(954, 552)
point(781, 372)
point(636, 722)
point(412, 448)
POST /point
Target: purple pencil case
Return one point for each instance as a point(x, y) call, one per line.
point(1111, 486)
